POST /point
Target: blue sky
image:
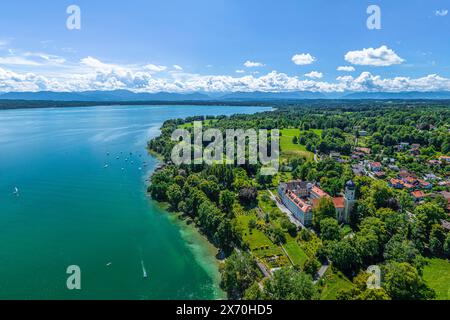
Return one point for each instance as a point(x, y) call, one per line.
point(176, 45)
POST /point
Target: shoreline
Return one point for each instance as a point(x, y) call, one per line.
point(205, 253)
point(51, 104)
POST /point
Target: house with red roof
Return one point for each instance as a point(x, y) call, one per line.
point(375, 166)
point(380, 174)
point(300, 204)
point(418, 195)
point(317, 193)
point(396, 183)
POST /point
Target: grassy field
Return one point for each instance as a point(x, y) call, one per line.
point(297, 255)
point(256, 238)
point(437, 274)
point(289, 149)
point(332, 283)
point(205, 123)
point(260, 245)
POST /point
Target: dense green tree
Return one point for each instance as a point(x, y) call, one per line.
point(345, 256)
point(447, 246)
point(394, 221)
point(401, 249)
point(329, 229)
point(289, 284)
point(277, 235)
point(311, 267)
point(224, 237)
point(226, 201)
point(211, 188)
point(360, 290)
point(289, 227)
point(254, 292)
point(174, 195)
point(381, 194)
point(403, 282)
point(429, 214)
point(437, 240)
point(239, 272)
point(248, 196)
point(324, 209)
point(264, 180)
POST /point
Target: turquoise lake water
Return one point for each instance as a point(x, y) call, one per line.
point(71, 210)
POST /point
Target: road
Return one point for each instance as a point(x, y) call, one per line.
point(286, 211)
point(321, 272)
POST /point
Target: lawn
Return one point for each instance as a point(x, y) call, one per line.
point(437, 274)
point(260, 246)
point(332, 283)
point(297, 255)
point(256, 238)
point(267, 205)
point(290, 149)
point(188, 125)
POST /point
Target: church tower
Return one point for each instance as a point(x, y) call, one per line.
point(349, 200)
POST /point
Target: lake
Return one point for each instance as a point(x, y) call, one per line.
point(81, 178)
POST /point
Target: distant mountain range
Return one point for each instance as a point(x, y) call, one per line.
point(126, 95)
point(415, 95)
point(258, 95)
point(115, 95)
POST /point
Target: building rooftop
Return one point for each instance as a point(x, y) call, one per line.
point(375, 164)
point(319, 192)
point(339, 202)
point(418, 194)
point(302, 205)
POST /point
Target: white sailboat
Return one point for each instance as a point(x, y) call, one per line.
point(16, 191)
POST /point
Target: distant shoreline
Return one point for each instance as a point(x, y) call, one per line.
point(41, 104)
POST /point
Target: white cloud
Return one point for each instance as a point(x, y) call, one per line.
point(155, 68)
point(18, 61)
point(253, 64)
point(93, 74)
point(368, 82)
point(441, 13)
point(96, 64)
point(314, 75)
point(30, 59)
point(346, 68)
point(240, 71)
point(380, 57)
point(45, 58)
point(302, 59)
point(177, 67)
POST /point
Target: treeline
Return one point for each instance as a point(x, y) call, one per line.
point(207, 195)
